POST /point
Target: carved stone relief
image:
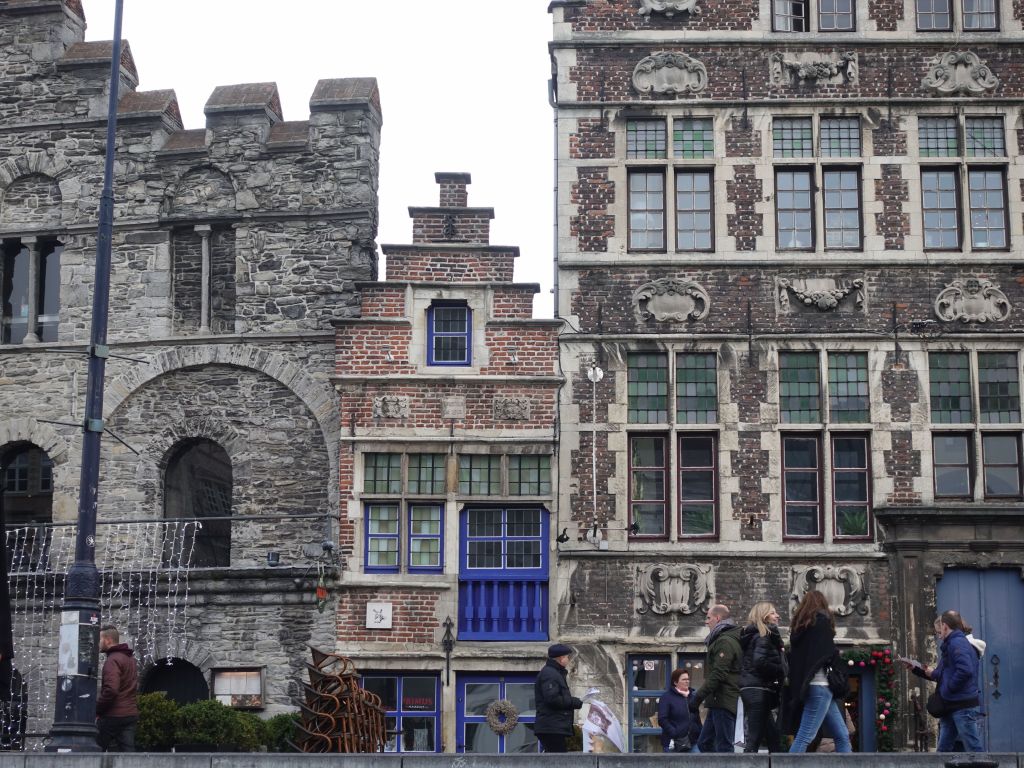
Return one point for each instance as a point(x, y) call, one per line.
point(391, 407)
point(453, 407)
point(668, 7)
point(817, 68)
point(842, 585)
point(671, 300)
point(662, 589)
point(670, 74)
point(824, 294)
point(512, 408)
point(959, 72)
point(972, 301)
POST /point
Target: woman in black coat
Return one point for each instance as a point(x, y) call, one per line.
point(812, 653)
point(678, 724)
point(762, 671)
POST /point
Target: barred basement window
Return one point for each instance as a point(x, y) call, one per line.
point(937, 137)
point(696, 388)
point(693, 137)
point(985, 137)
point(479, 475)
point(848, 396)
point(792, 137)
point(950, 387)
point(647, 385)
point(382, 473)
point(998, 387)
point(799, 388)
point(646, 139)
point(839, 137)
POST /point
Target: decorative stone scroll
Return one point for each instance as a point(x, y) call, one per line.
point(823, 293)
point(664, 589)
point(671, 300)
point(972, 301)
point(671, 74)
point(668, 7)
point(391, 407)
point(959, 72)
point(512, 408)
point(817, 68)
point(842, 585)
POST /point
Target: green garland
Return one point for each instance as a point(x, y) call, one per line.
point(880, 659)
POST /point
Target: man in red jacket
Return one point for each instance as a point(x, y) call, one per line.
point(116, 709)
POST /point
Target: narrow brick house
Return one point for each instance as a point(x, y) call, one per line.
point(235, 244)
point(448, 389)
point(788, 262)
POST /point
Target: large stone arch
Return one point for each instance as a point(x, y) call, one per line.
point(16, 432)
point(35, 171)
point(319, 398)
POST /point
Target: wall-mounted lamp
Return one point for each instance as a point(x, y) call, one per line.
point(448, 645)
point(513, 356)
point(387, 355)
point(273, 559)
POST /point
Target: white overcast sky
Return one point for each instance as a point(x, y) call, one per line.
point(463, 87)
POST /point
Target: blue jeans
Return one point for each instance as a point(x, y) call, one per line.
point(820, 708)
point(718, 731)
point(962, 724)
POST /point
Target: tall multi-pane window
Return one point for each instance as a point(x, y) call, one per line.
point(646, 210)
point(382, 473)
point(647, 384)
point(980, 14)
point(998, 387)
point(698, 498)
point(839, 137)
point(693, 138)
point(646, 139)
point(1000, 457)
point(799, 388)
point(841, 205)
point(939, 195)
point(801, 486)
point(848, 396)
point(23, 305)
point(529, 475)
point(479, 475)
point(648, 484)
point(949, 375)
point(985, 137)
point(791, 15)
point(937, 137)
point(951, 465)
point(425, 535)
point(792, 137)
point(851, 497)
point(696, 388)
point(794, 209)
point(426, 473)
point(382, 537)
point(934, 15)
point(835, 15)
point(986, 192)
point(693, 210)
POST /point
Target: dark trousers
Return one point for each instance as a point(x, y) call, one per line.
point(760, 721)
point(552, 742)
point(718, 731)
point(116, 734)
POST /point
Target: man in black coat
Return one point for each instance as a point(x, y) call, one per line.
point(555, 703)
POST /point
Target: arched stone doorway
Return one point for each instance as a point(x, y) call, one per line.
point(181, 681)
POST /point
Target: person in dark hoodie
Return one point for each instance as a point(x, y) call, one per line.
point(721, 682)
point(555, 703)
point(762, 671)
point(957, 676)
point(679, 726)
point(812, 652)
point(117, 711)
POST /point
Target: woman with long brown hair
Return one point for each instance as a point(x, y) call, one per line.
point(812, 653)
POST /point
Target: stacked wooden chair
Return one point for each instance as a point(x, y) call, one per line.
point(336, 714)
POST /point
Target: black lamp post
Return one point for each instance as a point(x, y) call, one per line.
point(74, 717)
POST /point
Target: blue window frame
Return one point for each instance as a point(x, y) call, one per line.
point(413, 705)
point(449, 333)
point(474, 694)
point(423, 536)
point(648, 680)
point(503, 573)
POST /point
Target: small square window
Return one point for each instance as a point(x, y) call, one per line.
point(448, 334)
point(840, 137)
point(937, 137)
point(479, 475)
point(239, 688)
point(427, 473)
point(382, 473)
point(934, 15)
point(980, 15)
point(646, 139)
point(792, 137)
point(985, 137)
point(693, 137)
point(529, 475)
point(835, 15)
point(791, 15)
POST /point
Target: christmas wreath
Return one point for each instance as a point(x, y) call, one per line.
point(502, 716)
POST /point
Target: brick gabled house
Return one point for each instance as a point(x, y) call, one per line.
point(448, 391)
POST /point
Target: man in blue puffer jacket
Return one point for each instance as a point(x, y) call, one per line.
point(957, 678)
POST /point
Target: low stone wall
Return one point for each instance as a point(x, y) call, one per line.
point(576, 760)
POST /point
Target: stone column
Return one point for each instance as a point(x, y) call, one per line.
point(204, 313)
point(32, 244)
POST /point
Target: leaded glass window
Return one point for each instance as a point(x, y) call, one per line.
point(382, 473)
point(529, 475)
point(937, 137)
point(693, 137)
point(647, 386)
point(799, 388)
point(998, 387)
point(985, 137)
point(839, 137)
point(427, 473)
point(696, 388)
point(693, 210)
point(792, 137)
point(479, 475)
point(987, 194)
point(848, 397)
point(949, 376)
point(646, 139)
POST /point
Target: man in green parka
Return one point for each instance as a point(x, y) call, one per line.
point(721, 686)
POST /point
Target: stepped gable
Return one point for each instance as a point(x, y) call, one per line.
point(163, 103)
point(97, 54)
point(245, 97)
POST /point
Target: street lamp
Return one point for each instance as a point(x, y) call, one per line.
point(74, 717)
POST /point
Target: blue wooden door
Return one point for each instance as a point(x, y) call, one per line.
point(992, 601)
